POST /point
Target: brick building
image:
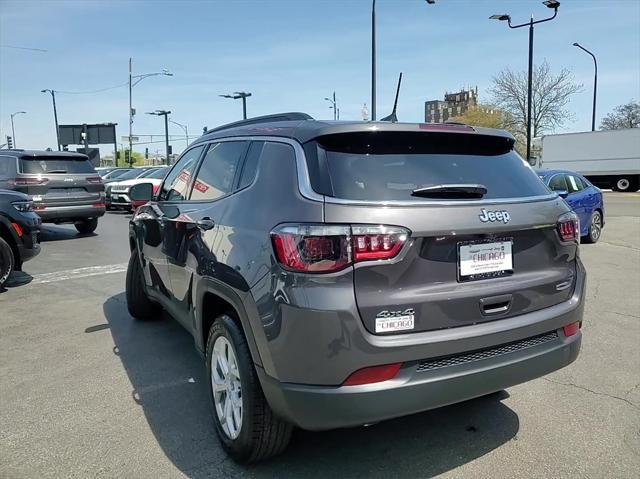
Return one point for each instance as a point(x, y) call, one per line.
point(454, 104)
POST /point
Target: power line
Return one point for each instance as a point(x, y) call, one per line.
point(92, 91)
point(24, 48)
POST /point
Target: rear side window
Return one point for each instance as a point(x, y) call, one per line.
point(558, 183)
point(574, 183)
point(218, 170)
point(51, 164)
point(389, 169)
point(7, 167)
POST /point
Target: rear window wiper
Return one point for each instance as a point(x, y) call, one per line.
point(452, 191)
point(56, 171)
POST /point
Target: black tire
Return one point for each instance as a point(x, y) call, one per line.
point(6, 261)
point(595, 228)
point(138, 303)
point(262, 434)
point(87, 226)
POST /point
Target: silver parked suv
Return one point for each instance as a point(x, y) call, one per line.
point(335, 274)
point(64, 186)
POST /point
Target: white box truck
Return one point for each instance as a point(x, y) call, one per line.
point(608, 159)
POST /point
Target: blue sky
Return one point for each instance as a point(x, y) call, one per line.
point(291, 54)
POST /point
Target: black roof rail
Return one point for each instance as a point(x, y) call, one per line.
point(291, 116)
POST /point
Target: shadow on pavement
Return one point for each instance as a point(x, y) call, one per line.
point(50, 233)
point(168, 380)
point(17, 278)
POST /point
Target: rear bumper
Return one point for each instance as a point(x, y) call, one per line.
point(413, 391)
point(62, 214)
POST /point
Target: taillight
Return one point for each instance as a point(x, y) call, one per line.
point(569, 227)
point(571, 329)
point(26, 181)
point(327, 248)
point(377, 242)
point(94, 180)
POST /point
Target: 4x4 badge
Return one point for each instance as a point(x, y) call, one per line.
point(492, 216)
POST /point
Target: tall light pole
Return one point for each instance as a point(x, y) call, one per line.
point(237, 95)
point(55, 114)
point(13, 131)
point(184, 128)
point(373, 56)
point(334, 106)
point(166, 114)
point(554, 4)
point(133, 81)
point(595, 84)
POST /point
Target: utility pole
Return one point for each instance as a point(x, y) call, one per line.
point(166, 114)
point(334, 106)
point(55, 114)
point(240, 95)
point(130, 117)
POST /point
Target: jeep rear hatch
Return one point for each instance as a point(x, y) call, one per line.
point(488, 249)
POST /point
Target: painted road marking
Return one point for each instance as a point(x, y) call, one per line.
point(79, 273)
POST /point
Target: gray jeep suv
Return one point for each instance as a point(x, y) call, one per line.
point(64, 186)
point(335, 274)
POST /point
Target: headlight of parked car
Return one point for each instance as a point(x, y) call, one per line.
point(23, 206)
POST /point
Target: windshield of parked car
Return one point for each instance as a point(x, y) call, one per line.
point(157, 173)
point(114, 174)
point(131, 174)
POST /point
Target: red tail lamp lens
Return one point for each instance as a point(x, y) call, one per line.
point(94, 179)
point(373, 374)
point(571, 329)
point(569, 227)
point(377, 242)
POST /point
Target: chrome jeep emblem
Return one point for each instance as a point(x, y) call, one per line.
point(492, 216)
point(68, 179)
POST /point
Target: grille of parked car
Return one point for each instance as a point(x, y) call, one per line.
point(431, 364)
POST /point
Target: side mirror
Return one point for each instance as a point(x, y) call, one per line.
point(562, 193)
point(141, 193)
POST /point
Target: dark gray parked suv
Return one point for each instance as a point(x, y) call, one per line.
point(339, 274)
point(64, 186)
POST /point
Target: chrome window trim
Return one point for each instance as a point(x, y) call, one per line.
point(305, 189)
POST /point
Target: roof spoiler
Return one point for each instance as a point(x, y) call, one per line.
point(291, 116)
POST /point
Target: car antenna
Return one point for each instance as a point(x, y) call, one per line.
point(393, 118)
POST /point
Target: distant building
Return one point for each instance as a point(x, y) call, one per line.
point(454, 104)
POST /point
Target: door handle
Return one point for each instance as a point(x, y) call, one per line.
point(205, 224)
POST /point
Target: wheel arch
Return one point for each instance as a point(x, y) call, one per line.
point(213, 299)
point(7, 234)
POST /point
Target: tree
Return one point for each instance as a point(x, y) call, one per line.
point(487, 116)
point(550, 96)
point(623, 116)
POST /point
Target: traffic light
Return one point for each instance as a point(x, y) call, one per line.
point(146, 153)
point(9, 142)
point(118, 155)
point(170, 149)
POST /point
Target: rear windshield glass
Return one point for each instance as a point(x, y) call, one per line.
point(386, 173)
point(52, 164)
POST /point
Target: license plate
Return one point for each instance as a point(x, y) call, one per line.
point(488, 259)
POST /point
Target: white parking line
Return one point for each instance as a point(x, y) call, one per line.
point(78, 273)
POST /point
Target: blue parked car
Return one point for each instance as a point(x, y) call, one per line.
point(584, 198)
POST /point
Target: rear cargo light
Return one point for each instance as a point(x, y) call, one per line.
point(94, 179)
point(569, 227)
point(26, 181)
point(571, 329)
point(326, 248)
point(373, 374)
point(99, 205)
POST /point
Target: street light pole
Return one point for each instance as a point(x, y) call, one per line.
point(55, 114)
point(373, 56)
point(334, 106)
point(237, 95)
point(13, 131)
point(554, 4)
point(166, 114)
point(184, 128)
point(132, 83)
point(595, 84)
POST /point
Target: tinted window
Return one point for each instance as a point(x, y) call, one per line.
point(7, 167)
point(176, 184)
point(558, 183)
point(384, 177)
point(131, 174)
point(218, 170)
point(250, 164)
point(574, 183)
point(114, 174)
point(157, 173)
point(52, 164)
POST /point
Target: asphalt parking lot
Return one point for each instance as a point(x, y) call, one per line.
point(85, 391)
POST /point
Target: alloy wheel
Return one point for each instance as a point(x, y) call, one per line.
point(226, 386)
point(596, 226)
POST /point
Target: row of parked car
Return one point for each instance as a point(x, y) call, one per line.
point(56, 187)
